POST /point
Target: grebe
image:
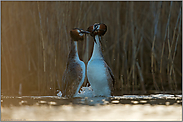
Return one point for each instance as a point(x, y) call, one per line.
point(74, 74)
point(99, 73)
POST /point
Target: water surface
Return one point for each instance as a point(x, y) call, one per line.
point(121, 108)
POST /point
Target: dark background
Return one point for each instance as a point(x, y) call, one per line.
point(143, 44)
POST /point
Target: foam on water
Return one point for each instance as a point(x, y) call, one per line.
point(88, 92)
point(87, 96)
point(84, 92)
point(59, 94)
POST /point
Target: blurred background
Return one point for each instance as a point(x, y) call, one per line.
point(143, 44)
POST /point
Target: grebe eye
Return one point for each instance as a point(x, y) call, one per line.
point(96, 26)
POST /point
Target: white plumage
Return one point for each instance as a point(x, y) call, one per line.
point(98, 72)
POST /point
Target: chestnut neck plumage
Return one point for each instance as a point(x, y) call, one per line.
point(73, 55)
point(97, 52)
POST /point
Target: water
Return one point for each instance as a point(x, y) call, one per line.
point(83, 112)
point(86, 107)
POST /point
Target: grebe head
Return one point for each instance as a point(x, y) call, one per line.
point(97, 29)
point(78, 34)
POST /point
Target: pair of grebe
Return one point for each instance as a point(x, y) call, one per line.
point(99, 73)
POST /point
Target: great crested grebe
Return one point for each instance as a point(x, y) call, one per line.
point(74, 74)
point(99, 73)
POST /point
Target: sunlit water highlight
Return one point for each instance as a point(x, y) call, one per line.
point(86, 107)
point(98, 112)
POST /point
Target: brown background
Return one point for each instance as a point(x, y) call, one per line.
point(142, 45)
